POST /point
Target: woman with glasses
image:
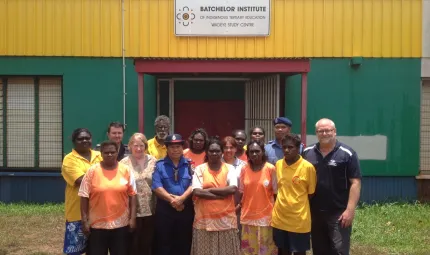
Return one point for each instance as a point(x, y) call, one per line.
point(197, 151)
point(74, 167)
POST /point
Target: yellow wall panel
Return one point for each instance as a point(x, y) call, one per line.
point(357, 33)
point(416, 27)
point(386, 28)
point(299, 28)
point(318, 25)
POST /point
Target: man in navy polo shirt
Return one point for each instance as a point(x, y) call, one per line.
point(337, 192)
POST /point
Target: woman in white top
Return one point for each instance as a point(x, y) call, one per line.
point(142, 165)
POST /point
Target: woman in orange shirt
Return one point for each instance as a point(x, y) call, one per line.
point(198, 141)
point(215, 222)
point(240, 137)
point(108, 203)
point(258, 187)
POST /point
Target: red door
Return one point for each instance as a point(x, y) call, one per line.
point(216, 117)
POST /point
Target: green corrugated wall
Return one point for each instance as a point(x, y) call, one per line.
point(380, 97)
point(92, 92)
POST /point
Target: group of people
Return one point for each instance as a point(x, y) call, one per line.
point(216, 197)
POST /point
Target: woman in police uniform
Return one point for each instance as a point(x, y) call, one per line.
point(174, 212)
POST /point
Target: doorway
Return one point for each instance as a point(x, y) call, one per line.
point(217, 105)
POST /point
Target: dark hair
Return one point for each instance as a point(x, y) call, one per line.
point(117, 125)
point(259, 144)
point(255, 127)
point(77, 131)
point(239, 131)
point(294, 138)
point(213, 140)
point(229, 139)
point(108, 143)
point(201, 131)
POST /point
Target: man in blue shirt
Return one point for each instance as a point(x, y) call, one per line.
point(274, 152)
point(174, 212)
point(337, 192)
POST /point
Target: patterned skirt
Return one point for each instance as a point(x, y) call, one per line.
point(225, 242)
point(258, 241)
point(75, 241)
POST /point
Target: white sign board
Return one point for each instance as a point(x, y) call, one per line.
point(222, 18)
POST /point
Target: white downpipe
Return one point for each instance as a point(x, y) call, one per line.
point(123, 62)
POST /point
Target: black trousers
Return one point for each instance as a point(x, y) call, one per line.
point(328, 237)
point(140, 240)
point(114, 241)
point(173, 232)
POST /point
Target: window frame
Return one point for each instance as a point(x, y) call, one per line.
point(36, 168)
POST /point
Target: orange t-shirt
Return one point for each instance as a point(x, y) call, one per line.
point(258, 189)
point(243, 157)
point(218, 214)
point(198, 159)
point(108, 192)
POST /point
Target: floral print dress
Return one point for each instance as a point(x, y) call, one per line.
point(143, 175)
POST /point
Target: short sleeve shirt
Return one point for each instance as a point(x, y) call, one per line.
point(175, 180)
point(75, 166)
point(295, 182)
point(258, 189)
point(157, 150)
point(197, 159)
point(108, 192)
point(218, 214)
point(333, 173)
point(274, 152)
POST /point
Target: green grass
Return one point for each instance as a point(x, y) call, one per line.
point(30, 209)
point(395, 228)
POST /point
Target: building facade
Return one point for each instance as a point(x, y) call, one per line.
point(69, 64)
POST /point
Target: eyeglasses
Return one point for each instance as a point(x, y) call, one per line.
point(327, 131)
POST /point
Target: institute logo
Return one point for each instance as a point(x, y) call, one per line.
point(296, 179)
point(185, 16)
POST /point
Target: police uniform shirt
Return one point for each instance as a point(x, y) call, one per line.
point(164, 177)
point(333, 174)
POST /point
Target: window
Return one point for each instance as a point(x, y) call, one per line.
point(425, 128)
point(31, 134)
